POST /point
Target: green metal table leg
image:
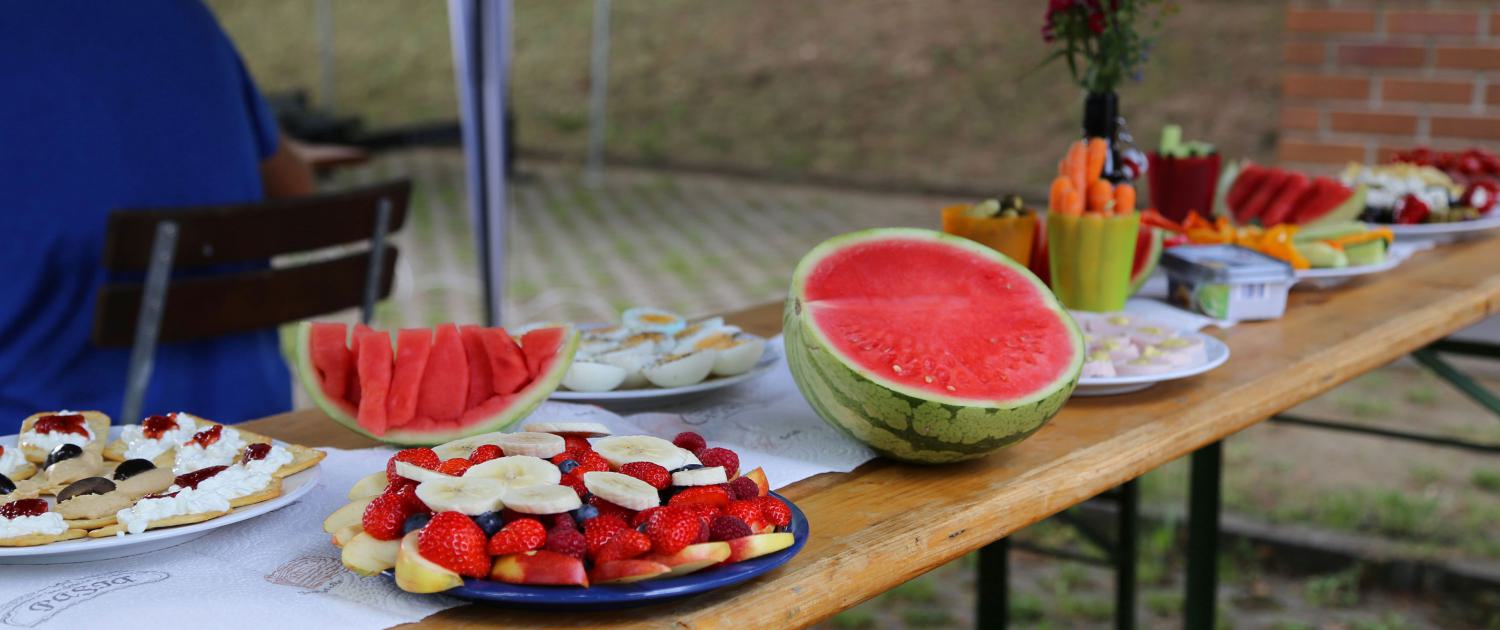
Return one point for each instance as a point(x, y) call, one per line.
point(1203, 537)
point(1125, 555)
point(993, 606)
point(1461, 381)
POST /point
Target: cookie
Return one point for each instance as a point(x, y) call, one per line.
point(98, 424)
point(171, 521)
point(23, 472)
point(94, 523)
point(32, 540)
point(303, 458)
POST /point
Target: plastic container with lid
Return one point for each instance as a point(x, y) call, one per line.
point(1227, 282)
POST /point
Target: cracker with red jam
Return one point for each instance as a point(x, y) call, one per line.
point(96, 423)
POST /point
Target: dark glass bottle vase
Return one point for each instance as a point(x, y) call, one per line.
point(1101, 119)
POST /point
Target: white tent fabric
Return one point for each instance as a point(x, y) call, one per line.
point(480, 31)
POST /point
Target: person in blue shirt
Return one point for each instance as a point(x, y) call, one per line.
point(111, 105)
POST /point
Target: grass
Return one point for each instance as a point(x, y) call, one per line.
point(1487, 480)
point(1339, 589)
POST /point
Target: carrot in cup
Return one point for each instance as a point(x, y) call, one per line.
point(1124, 199)
point(1097, 152)
point(1100, 195)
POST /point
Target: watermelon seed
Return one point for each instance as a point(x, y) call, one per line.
point(952, 388)
point(897, 368)
point(927, 378)
point(994, 340)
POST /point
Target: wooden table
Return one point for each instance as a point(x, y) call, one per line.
point(885, 523)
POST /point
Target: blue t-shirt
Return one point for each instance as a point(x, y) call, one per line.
point(110, 105)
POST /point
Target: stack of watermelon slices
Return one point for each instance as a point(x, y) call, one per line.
point(1272, 196)
point(430, 385)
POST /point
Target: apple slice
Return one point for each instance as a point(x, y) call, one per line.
point(626, 571)
point(759, 477)
point(343, 536)
point(368, 487)
point(351, 514)
point(366, 555)
point(692, 557)
point(757, 545)
point(540, 567)
point(415, 574)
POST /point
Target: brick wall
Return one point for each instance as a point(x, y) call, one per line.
point(1363, 78)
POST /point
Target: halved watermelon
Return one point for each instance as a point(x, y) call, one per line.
point(421, 393)
point(928, 347)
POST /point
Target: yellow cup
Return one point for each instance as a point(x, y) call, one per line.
point(1090, 257)
point(1011, 236)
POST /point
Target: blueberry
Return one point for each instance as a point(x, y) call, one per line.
point(585, 513)
point(567, 466)
point(489, 522)
point(6, 485)
point(415, 522)
point(641, 528)
point(688, 467)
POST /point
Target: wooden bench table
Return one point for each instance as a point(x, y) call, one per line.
point(885, 523)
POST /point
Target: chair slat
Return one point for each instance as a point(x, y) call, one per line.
point(198, 308)
point(212, 235)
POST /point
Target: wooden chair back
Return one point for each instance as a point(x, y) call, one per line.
point(210, 236)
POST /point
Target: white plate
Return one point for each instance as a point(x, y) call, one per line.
point(1217, 353)
point(1443, 232)
point(91, 549)
point(641, 397)
point(1334, 276)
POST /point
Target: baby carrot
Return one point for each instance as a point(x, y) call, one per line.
point(1060, 187)
point(1124, 199)
point(1078, 167)
point(1075, 202)
point(1100, 195)
point(1097, 151)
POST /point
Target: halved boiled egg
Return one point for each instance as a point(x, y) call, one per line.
point(678, 370)
point(697, 327)
point(734, 352)
point(653, 320)
point(591, 376)
point(630, 361)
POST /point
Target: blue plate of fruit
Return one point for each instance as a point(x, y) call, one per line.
point(651, 588)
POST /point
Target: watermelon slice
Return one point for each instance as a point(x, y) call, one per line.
point(1329, 202)
point(374, 379)
point(481, 388)
point(445, 383)
point(508, 372)
point(331, 357)
point(412, 347)
point(1245, 185)
point(1285, 201)
point(421, 393)
point(351, 391)
point(928, 347)
point(1261, 198)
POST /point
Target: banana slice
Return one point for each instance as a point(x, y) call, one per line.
point(622, 490)
point(542, 499)
point(688, 458)
point(463, 446)
point(517, 471)
point(699, 477)
point(368, 486)
point(419, 474)
point(466, 495)
point(541, 445)
point(583, 429)
point(624, 449)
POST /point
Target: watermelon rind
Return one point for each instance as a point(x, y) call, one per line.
point(895, 420)
point(1138, 277)
point(525, 402)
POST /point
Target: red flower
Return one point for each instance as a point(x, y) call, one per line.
point(1096, 23)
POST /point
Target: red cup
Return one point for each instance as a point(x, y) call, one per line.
point(1180, 185)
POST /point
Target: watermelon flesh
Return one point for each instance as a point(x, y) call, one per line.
point(930, 348)
point(420, 393)
point(445, 381)
point(374, 379)
point(412, 347)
